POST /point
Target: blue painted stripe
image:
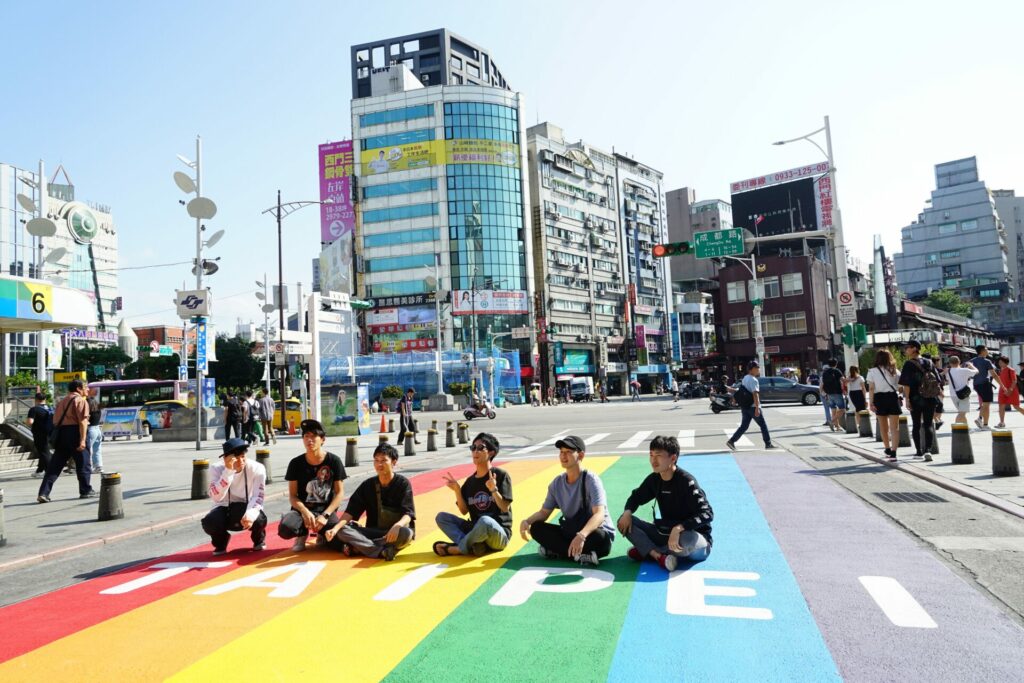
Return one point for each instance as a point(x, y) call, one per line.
point(656, 645)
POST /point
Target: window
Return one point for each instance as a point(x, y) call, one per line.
point(989, 293)
point(411, 46)
point(792, 284)
point(378, 265)
point(832, 324)
point(969, 225)
point(770, 287)
point(796, 323)
point(951, 270)
point(931, 258)
point(739, 328)
point(565, 305)
point(399, 212)
point(954, 253)
point(404, 187)
point(828, 288)
point(393, 115)
point(396, 288)
point(908, 234)
point(734, 292)
point(947, 228)
point(403, 237)
point(362, 55)
point(404, 138)
point(771, 325)
point(456, 62)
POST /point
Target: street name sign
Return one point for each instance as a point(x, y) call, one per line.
point(719, 243)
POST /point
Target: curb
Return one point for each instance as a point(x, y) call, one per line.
point(952, 486)
point(107, 540)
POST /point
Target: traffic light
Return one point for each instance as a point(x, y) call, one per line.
point(671, 249)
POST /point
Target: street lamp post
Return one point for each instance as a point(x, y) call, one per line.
point(838, 244)
point(280, 211)
point(436, 274)
point(266, 308)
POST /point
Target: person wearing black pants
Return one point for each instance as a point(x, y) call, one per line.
point(72, 422)
point(585, 532)
point(922, 408)
point(237, 489)
point(40, 419)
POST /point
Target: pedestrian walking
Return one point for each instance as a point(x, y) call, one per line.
point(266, 411)
point(1009, 394)
point(72, 425)
point(921, 391)
point(939, 409)
point(94, 435)
point(884, 400)
point(406, 421)
point(249, 417)
point(959, 382)
point(603, 393)
point(855, 389)
point(983, 384)
point(833, 393)
point(634, 390)
point(675, 390)
point(232, 416)
point(748, 398)
point(40, 420)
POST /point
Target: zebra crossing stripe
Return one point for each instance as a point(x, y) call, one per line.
point(635, 440)
point(686, 438)
point(742, 442)
point(594, 438)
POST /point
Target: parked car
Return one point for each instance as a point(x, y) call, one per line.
point(163, 414)
point(782, 390)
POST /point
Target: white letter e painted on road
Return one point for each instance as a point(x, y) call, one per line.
point(687, 590)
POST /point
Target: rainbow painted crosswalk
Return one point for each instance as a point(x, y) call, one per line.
point(277, 615)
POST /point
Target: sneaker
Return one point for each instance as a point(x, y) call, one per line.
point(635, 555)
point(545, 553)
point(299, 545)
point(831, 427)
point(589, 559)
point(387, 553)
point(1000, 426)
point(891, 457)
point(730, 445)
point(927, 457)
point(770, 447)
point(979, 423)
point(91, 493)
point(918, 456)
point(938, 425)
point(217, 552)
point(97, 470)
point(38, 475)
point(887, 452)
point(43, 499)
point(259, 546)
point(668, 562)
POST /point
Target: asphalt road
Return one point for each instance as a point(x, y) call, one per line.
point(879, 589)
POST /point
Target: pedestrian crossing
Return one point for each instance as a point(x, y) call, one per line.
point(690, 440)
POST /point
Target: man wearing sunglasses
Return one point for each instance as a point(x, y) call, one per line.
point(486, 496)
point(315, 488)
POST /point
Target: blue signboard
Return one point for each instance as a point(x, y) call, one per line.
point(201, 364)
point(677, 352)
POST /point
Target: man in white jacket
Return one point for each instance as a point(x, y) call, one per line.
point(237, 489)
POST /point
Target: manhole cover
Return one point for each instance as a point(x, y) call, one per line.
point(831, 458)
point(910, 497)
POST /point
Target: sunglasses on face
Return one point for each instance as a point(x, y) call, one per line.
point(478, 447)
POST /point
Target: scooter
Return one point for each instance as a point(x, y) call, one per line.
point(720, 402)
point(480, 410)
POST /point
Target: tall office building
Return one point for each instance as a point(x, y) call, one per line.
point(439, 191)
point(581, 292)
point(958, 241)
point(84, 229)
point(1010, 208)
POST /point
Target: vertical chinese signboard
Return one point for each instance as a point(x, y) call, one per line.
point(337, 219)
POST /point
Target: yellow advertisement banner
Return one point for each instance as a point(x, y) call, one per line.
point(400, 157)
point(493, 152)
point(65, 377)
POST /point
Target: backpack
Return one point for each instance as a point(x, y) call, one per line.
point(1020, 384)
point(930, 387)
point(832, 381)
point(744, 399)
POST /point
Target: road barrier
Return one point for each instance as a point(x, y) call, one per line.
point(463, 433)
point(351, 452)
point(410, 440)
point(851, 422)
point(961, 450)
point(263, 458)
point(449, 436)
point(1004, 455)
point(904, 433)
point(111, 500)
point(200, 479)
point(391, 425)
point(3, 534)
point(864, 423)
point(432, 439)
point(878, 429)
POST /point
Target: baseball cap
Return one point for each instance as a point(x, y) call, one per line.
point(752, 364)
point(913, 342)
point(232, 446)
point(312, 427)
point(573, 442)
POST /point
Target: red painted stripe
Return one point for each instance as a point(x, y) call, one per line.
point(41, 620)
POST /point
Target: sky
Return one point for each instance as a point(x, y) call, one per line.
point(115, 90)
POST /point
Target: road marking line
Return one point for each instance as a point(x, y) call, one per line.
point(686, 437)
point(634, 440)
point(408, 584)
point(896, 602)
point(743, 443)
point(536, 447)
point(594, 438)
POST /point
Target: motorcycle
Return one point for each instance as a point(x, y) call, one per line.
point(720, 402)
point(480, 410)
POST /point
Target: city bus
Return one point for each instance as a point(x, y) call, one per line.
point(134, 393)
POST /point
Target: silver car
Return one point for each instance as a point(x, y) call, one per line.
point(782, 390)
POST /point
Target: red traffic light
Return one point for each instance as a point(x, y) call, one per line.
point(670, 249)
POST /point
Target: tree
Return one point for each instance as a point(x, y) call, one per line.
point(161, 367)
point(236, 367)
point(949, 301)
point(88, 358)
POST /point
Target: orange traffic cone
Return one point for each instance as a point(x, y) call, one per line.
point(291, 428)
point(383, 424)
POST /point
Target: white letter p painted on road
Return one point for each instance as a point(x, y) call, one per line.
point(529, 580)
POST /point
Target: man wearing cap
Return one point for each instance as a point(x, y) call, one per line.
point(237, 489)
point(315, 488)
point(750, 408)
point(922, 408)
point(390, 512)
point(584, 532)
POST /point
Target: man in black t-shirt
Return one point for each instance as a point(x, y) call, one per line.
point(832, 392)
point(486, 496)
point(232, 417)
point(390, 512)
point(40, 419)
point(315, 488)
point(922, 408)
point(683, 532)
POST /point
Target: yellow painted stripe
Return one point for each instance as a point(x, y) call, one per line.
point(159, 639)
point(345, 630)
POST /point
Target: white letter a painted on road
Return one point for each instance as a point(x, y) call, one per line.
point(302, 574)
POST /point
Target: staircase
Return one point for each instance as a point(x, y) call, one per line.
point(14, 456)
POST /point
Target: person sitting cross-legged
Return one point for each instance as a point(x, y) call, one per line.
point(486, 496)
point(683, 532)
point(390, 512)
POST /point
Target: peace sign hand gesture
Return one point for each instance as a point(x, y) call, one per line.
point(491, 483)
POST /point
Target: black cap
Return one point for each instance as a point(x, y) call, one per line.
point(752, 364)
point(572, 442)
point(312, 427)
point(913, 342)
point(233, 446)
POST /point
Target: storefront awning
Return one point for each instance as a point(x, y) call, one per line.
point(28, 305)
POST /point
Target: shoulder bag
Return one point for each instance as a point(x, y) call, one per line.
point(51, 438)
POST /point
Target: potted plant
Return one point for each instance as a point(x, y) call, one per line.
point(391, 395)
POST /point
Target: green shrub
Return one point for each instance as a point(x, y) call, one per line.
point(392, 391)
point(459, 388)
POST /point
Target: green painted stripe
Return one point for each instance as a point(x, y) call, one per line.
point(551, 637)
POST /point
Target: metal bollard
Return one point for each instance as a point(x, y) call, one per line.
point(961, 450)
point(904, 433)
point(878, 429)
point(410, 440)
point(449, 438)
point(432, 439)
point(3, 534)
point(851, 423)
point(433, 425)
point(391, 425)
point(383, 438)
point(351, 452)
point(263, 458)
point(463, 433)
point(1004, 455)
point(864, 423)
point(200, 479)
point(111, 502)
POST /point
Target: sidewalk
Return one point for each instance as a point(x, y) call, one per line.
point(1004, 492)
point(156, 486)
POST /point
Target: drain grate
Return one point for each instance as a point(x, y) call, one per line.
point(910, 497)
point(831, 458)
